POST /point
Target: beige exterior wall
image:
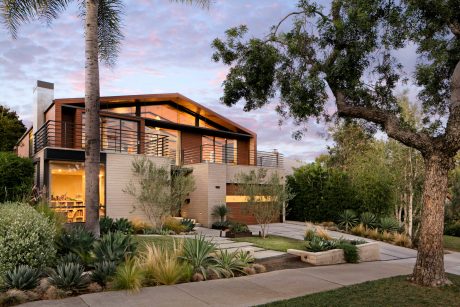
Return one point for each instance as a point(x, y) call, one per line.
point(118, 176)
point(198, 206)
point(24, 146)
point(217, 188)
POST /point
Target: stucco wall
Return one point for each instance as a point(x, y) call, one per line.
point(118, 175)
point(198, 206)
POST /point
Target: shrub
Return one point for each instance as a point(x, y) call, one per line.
point(22, 277)
point(162, 266)
point(103, 272)
point(141, 227)
point(129, 276)
point(318, 244)
point(402, 240)
point(221, 225)
point(114, 247)
point(69, 277)
point(347, 219)
point(389, 224)
point(26, 237)
point(368, 219)
point(188, 224)
point(16, 177)
point(197, 252)
point(56, 218)
point(358, 230)
point(453, 230)
point(238, 228)
point(174, 225)
point(220, 211)
point(350, 252)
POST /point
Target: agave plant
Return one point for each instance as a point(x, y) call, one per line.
point(245, 257)
point(188, 224)
point(389, 224)
point(103, 272)
point(220, 211)
point(70, 257)
point(22, 277)
point(123, 225)
point(76, 240)
point(69, 277)
point(318, 244)
point(368, 219)
point(348, 219)
point(105, 225)
point(197, 252)
point(229, 263)
point(114, 247)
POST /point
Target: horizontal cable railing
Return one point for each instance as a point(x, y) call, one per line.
point(70, 135)
point(225, 154)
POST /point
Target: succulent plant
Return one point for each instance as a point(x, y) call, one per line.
point(389, 224)
point(114, 247)
point(103, 272)
point(368, 219)
point(348, 220)
point(22, 277)
point(69, 277)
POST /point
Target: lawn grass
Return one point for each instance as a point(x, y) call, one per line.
point(275, 243)
point(395, 291)
point(452, 243)
point(158, 240)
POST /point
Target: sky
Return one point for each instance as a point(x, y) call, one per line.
point(167, 48)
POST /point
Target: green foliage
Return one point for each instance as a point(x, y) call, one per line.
point(389, 224)
point(129, 276)
point(114, 247)
point(76, 240)
point(188, 224)
point(174, 225)
point(103, 272)
point(221, 225)
point(238, 228)
point(368, 219)
point(69, 277)
point(70, 257)
point(11, 129)
point(220, 211)
point(26, 237)
point(229, 263)
point(197, 252)
point(452, 230)
point(105, 224)
point(350, 252)
point(56, 218)
point(22, 277)
point(108, 224)
point(320, 193)
point(348, 219)
point(17, 176)
point(318, 244)
point(309, 234)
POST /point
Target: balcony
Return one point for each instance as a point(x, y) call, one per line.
point(72, 136)
point(222, 154)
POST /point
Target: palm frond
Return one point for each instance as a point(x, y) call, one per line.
point(110, 14)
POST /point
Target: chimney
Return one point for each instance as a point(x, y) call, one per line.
point(43, 96)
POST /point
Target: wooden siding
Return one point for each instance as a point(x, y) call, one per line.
point(242, 152)
point(191, 141)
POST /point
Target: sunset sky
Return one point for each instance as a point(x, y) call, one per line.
point(166, 49)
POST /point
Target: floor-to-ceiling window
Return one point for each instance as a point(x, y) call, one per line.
point(218, 150)
point(67, 189)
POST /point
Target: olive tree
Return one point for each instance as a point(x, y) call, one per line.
point(265, 196)
point(345, 52)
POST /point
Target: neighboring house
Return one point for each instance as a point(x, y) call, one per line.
point(170, 129)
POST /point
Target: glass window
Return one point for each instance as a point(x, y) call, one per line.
point(218, 150)
point(67, 189)
point(121, 110)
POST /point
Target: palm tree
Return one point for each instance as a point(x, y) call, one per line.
point(103, 36)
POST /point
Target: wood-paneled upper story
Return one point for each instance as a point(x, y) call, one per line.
point(154, 124)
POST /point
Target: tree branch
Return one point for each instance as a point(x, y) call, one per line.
point(389, 122)
point(452, 135)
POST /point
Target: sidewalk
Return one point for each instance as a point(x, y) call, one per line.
point(242, 291)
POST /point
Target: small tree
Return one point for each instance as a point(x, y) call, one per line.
point(11, 128)
point(265, 196)
point(158, 193)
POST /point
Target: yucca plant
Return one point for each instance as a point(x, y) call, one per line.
point(197, 252)
point(220, 211)
point(389, 224)
point(245, 257)
point(69, 277)
point(103, 272)
point(229, 263)
point(129, 276)
point(114, 247)
point(347, 219)
point(162, 266)
point(22, 277)
point(368, 219)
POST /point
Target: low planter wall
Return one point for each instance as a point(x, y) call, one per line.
point(367, 252)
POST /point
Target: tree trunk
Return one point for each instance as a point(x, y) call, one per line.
point(92, 135)
point(429, 267)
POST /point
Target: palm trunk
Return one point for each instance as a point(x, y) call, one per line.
point(429, 267)
point(92, 145)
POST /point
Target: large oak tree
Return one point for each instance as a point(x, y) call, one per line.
point(346, 53)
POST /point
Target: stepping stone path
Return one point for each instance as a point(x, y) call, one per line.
point(213, 235)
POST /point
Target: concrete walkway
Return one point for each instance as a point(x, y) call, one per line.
point(242, 291)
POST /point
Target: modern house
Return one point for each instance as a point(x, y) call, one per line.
point(170, 129)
